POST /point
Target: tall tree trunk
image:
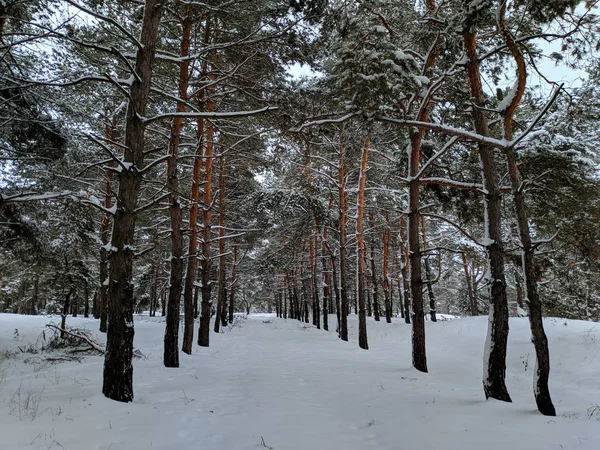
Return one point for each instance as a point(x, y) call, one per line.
point(419, 356)
point(171, 340)
point(369, 288)
point(232, 286)
point(494, 385)
point(95, 304)
point(163, 300)
point(65, 312)
point(205, 265)
point(374, 284)
point(385, 270)
point(35, 296)
point(111, 134)
point(154, 291)
point(540, 341)
point(399, 279)
point(473, 309)
point(118, 368)
point(190, 291)
point(313, 242)
point(75, 309)
point(432, 308)
point(86, 299)
point(326, 280)
point(404, 272)
point(343, 210)
point(221, 288)
point(519, 289)
point(360, 248)
point(334, 280)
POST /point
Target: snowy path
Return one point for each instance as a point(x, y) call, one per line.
point(301, 388)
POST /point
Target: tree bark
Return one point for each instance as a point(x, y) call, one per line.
point(171, 340)
point(205, 266)
point(111, 134)
point(221, 288)
point(232, 286)
point(473, 309)
point(360, 249)
point(118, 368)
point(494, 385)
point(313, 242)
point(404, 271)
point(65, 312)
point(430, 293)
point(419, 357)
point(385, 269)
point(374, 284)
point(343, 209)
point(540, 341)
point(86, 298)
point(190, 292)
point(326, 281)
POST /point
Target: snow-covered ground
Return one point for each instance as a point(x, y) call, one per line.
point(278, 384)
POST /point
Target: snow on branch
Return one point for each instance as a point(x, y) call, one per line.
point(209, 115)
point(448, 130)
point(313, 123)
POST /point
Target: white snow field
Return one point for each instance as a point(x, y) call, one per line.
point(283, 385)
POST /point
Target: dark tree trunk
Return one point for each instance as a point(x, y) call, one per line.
point(298, 311)
point(118, 368)
point(495, 348)
point(343, 209)
point(206, 284)
point(65, 312)
point(404, 271)
point(154, 291)
point(313, 242)
point(540, 341)
point(374, 285)
point(75, 309)
point(473, 309)
point(196, 302)
point(326, 296)
point(334, 281)
point(86, 299)
point(432, 307)
point(232, 288)
point(95, 305)
point(110, 131)
point(190, 290)
point(400, 300)
point(419, 356)
point(387, 294)
point(171, 340)
point(519, 288)
point(95, 308)
point(360, 253)
point(222, 288)
point(35, 296)
point(430, 293)
point(369, 289)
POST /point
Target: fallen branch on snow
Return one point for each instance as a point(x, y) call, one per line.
point(93, 345)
